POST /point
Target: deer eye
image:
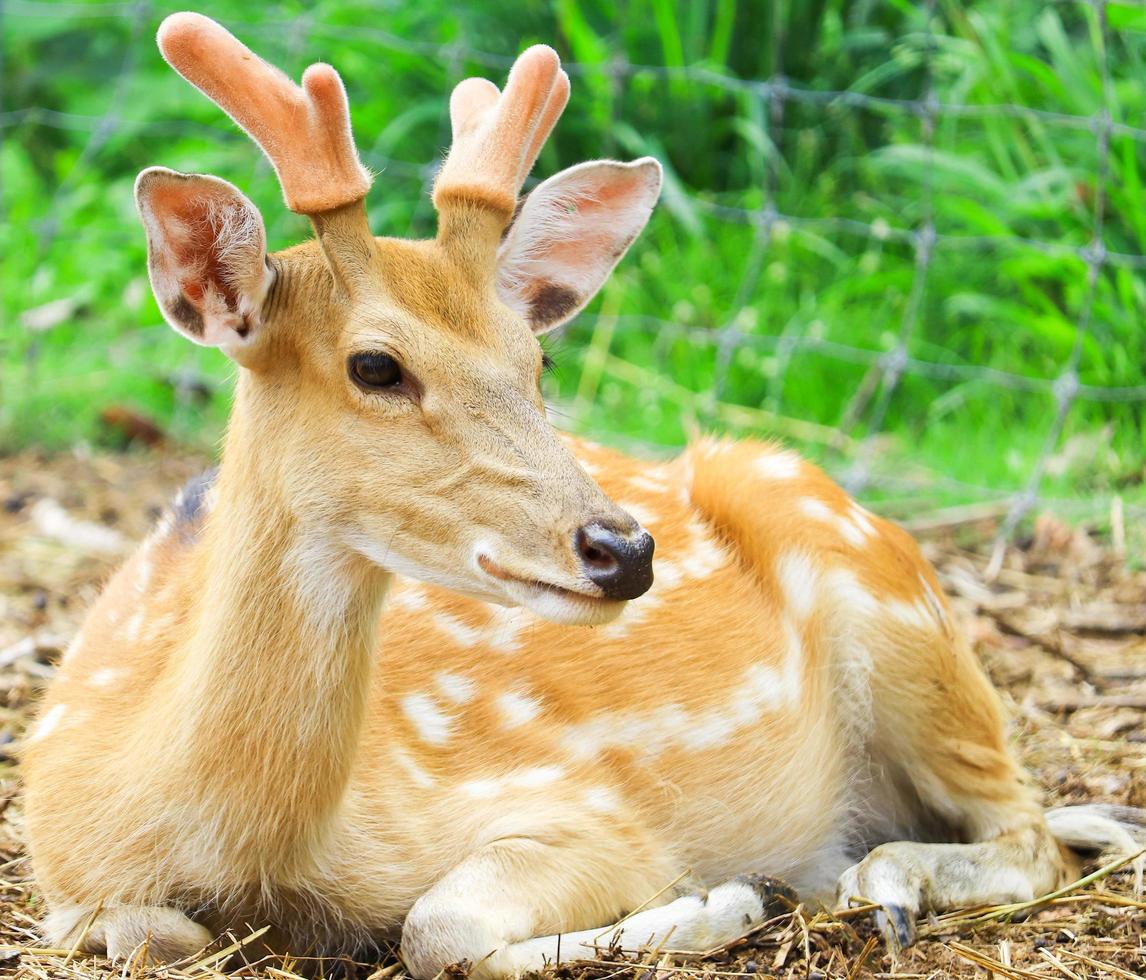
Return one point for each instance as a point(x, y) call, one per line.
point(374, 370)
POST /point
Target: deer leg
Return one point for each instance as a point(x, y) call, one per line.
point(907, 877)
point(947, 775)
point(519, 904)
point(161, 935)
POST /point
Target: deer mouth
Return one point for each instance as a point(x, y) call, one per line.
point(557, 603)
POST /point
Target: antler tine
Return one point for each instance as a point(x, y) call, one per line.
point(305, 132)
point(498, 135)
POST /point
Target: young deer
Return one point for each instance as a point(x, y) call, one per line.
point(237, 735)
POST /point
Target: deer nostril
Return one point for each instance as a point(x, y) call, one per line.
point(619, 564)
point(597, 557)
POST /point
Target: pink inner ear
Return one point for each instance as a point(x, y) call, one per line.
point(594, 212)
point(570, 233)
point(195, 229)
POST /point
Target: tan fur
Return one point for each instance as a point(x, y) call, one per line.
point(247, 731)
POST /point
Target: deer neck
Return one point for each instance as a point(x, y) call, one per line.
point(274, 678)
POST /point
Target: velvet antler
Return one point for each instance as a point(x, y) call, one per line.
point(305, 132)
point(498, 135)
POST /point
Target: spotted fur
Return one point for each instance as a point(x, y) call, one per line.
point(360, 683)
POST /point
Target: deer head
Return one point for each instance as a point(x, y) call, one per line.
point(388, 390)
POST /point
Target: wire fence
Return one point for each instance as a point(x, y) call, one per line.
point(854, 442)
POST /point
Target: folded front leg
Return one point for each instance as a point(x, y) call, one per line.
point(519, 904)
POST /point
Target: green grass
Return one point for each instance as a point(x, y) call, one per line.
point(1012, 195)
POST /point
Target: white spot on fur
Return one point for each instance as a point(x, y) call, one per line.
point(708, 731)
point(144, 569)
point(648, 484)
point(456, 630)
point(418, 775)
point(816, 509)
point(410, 597)
point(764, 688)
point(916, 614)
point(537, 776)
point(845, 524)
point(667, 574)
point(131, 631)
point(482, 789)
point(106, 676)
point(73, 647)
point(778, 464)
point(844, 586)
point(601, 799)
point(48, 723)
point(431, 723)
point(862, 519)
point(504, 625)
point(455, 688)
point(799, 582)
point(533, 778)
point(704, 555)
point(518, 709)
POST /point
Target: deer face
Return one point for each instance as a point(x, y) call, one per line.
point(392, 388)
point(399, 396)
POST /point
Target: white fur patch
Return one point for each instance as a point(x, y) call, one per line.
point(73, 647)
point(862, 519)
point(601, 799)
point(504, 626)
point(106, 676)
point(844, 586)
point(799, 581)
point(764, 688)
point(143, 572)
point(533, 778)
point(456, 630)
point(134, 625)
point(315, 570)
point(410, 596)
point(780, 464)
point(704, 555)
point(431, 723)
point(455, 687)
point(48, 723)
point(846, 525)
point(916, 614)
point(518, 709)
point(418, 775)
point(648, 484)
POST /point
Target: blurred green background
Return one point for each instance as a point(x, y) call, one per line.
point(877, 239)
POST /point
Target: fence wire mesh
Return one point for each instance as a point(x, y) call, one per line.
point(867, 436)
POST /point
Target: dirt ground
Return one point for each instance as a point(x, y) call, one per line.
point(1062, 631)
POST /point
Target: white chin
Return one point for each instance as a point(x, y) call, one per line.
point(566, 608)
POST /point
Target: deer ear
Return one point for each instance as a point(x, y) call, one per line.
point(206, 254)
point(569, 234)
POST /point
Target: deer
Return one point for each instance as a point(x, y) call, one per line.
point(401, 669)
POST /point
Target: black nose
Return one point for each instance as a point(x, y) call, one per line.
point(620, 564)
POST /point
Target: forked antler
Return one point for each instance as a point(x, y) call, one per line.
point(305, 132)
point(498, 135)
